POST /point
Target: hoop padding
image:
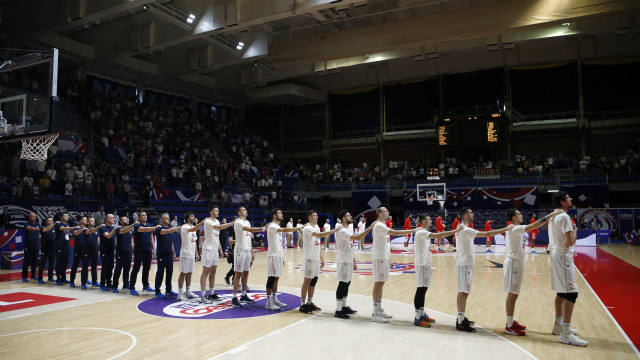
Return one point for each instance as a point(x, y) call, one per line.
point(36, 148)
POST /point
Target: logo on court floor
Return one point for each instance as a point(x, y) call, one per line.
point(365, 268)
point(193, 309)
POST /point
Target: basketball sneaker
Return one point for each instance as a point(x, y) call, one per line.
point(384, 314)
point(72, 285)
point(41, 281)
point(378, 318)
point(517, 325)
point(513, 330)
point(235, 303)
point(191, 295)
point(489, 251)
point(246, 299)
point(214, 297)
point(115, 290)
point(148, 288)
point(426, 318)
point(313, 307)
point(170, 293)
point(133, 292)
point(571, 339)
point(226, 281)
point(278, 303)
point(533, 252)
point(305, 309)
point(340, 314)
point(89, 282)
point(25, 279)
point(84, 287)
point(464, 326)
point(348, 310)
point(182, 297)
point(557, 330)
point(205, 300)
point(421, 323)
point(271, 306)
point(160, 296)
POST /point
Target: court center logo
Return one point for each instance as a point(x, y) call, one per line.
point(194, 309)
point(365, 268)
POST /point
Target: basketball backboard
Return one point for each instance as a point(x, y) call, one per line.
point(430, 193)
point(28, 93)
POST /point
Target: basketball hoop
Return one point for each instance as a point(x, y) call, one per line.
point(430, 200)
point(441, 203)
point(36, 148)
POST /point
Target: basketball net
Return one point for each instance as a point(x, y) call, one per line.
point(36, 148)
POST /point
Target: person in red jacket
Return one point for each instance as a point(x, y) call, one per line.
point(533, 235)
point(407, 226)
point(439, 229)
point(487, 227)
point(454, 226)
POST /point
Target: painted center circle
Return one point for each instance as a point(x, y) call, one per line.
point(194, 309)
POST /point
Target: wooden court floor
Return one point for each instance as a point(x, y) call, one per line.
point(102, 325)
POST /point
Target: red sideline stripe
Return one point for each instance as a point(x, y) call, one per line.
point(617, 284)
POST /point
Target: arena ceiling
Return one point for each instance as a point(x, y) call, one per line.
point(294, 51)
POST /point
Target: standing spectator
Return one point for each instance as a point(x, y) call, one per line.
point(487, 227)
point(174, 222)
point(31, 248)
point(100, 216)
point(407, 226)
point(111, 188)
point(68, 192)
point(5, 218)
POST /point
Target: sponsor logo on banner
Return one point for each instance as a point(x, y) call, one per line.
point(194, 309)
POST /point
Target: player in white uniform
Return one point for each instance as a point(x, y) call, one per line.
point(188, 254)
point(312, 261)
point(211, 254)
point(326, 228)
point(464, 264)
point(562, 237)
point(289, 234)
point(514, 264)
point(380, 259)
point(345, 261)
point(361, 225)
point(275, 257)
point(243, 256)
point(421, 245)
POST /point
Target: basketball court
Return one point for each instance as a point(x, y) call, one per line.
point(59, 322)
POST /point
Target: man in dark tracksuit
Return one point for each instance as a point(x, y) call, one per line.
point(48, 251)
point(142, 252)
point(31, 248)
point(79, 248)
point(124, 238)
point(166, 254)
point(90, 254)
point(107, 248)
point(63, 248)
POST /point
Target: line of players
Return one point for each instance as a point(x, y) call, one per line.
point(562, 234)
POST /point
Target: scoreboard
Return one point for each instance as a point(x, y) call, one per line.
point(472, 132)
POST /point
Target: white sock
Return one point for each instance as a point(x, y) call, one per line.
point(338, 304)
point(559, 320)
point(460, 317)
point(244, 292)
point(309, 300)
point(180, 290)
point(211, 291)
point(274, 296)
point(418, 314)
point(509, 321)
point(566, 328)
point(302, 302)
point(422, 312)
point(344, 301)
point(376, 308)
point(188, 289)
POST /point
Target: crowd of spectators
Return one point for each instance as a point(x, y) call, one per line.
point(165, 144)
